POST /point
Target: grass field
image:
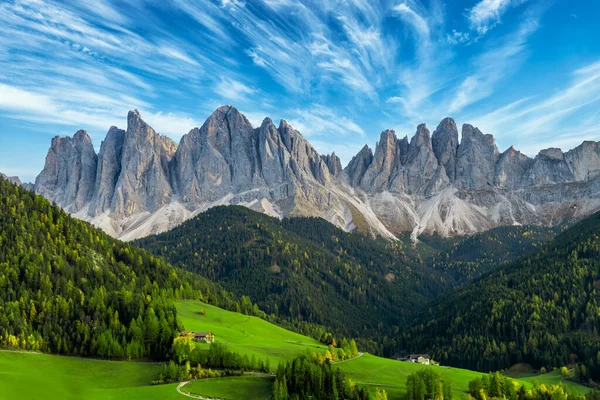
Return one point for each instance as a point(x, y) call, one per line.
point(42, 376)
point(233, 388)
point(554, 378)
point(244, 334)
point(391, 375)
point(47, 377)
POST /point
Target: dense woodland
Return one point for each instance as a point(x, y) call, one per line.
point(304, 269)
point(68, 288)
point(307, 270)
point(472, 256)
point(543, 309)
point(426, 384)
point(306, 378)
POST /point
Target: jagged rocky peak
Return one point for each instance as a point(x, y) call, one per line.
point(217, 159)
point(510, 169)
point(445, 145)
point(387, 155)
point(475, 159)
point(419, 167)
point(549, 167)
point(334, 164)
point(69, 172)
point(305, 162)
point(143, 184)
point(584, 160)
point(108, 171)
point(357, 167)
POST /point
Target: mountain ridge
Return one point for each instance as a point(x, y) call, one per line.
point(143, 183)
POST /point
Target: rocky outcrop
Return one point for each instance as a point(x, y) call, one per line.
point(108, 170)
point(416, 175)
point(142, 182)
point(356, 168)
point(511, 168)
point(445, 145)
point(549, 167)
point(475, 160)
point(584, 161)
point(334, 164)
point(69, 172)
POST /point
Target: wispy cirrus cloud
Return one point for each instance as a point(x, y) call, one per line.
point(488, 13)
point(340, 71)
point(491, 66)
point(565, 118)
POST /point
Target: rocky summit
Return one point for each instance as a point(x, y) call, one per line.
point(141, 182)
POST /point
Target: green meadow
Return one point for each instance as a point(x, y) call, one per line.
point(245, 334)
point(43, 376)
point(37, 376)
point(242, 387)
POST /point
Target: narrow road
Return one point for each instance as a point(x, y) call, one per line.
point(193, 396)
point(349, 359)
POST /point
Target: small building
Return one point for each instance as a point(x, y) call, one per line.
point(186, 333)
point(206, 337)
point(420, 359)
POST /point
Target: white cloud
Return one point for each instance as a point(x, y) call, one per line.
point(233, 90)
point(322, 121)
point(456, 37)
point(173, 125)
point(493, 65)
point(487, 13)
point(563, 119)
point(410, 16)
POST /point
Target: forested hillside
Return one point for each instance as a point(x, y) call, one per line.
point(543, 309)
point(303, 269)
point(471, 256)
point(68, 288)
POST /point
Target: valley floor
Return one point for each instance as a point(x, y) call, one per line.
point(47, 377)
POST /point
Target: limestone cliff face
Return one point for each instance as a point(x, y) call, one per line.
point(69, 172)
point(475, 159)
point(445, 145)
point(142, 182)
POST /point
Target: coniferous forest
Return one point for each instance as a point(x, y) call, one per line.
point(68, 288)
point(543, 309)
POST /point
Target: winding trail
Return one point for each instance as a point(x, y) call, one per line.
point(348, 359)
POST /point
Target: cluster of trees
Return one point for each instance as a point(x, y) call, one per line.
point(345, 350)
point(172, 372)
point(68, 288)
point(543, 309)
point(304, 378)
point(217, 356)
point(496, 386)
point(426, 384)
point(305, 270)
point(186, 352)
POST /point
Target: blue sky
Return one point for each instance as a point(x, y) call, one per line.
point(527, 71)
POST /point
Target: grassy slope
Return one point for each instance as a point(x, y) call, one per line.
point(245, 387)
point(553, 378)
point(245, 334)
point(36, 376)
point(33, 376)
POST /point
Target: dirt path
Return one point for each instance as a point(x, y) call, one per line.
point(200, 397)
point(349, 359)
point(193, 396)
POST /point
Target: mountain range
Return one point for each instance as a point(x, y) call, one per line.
point(142, 183)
